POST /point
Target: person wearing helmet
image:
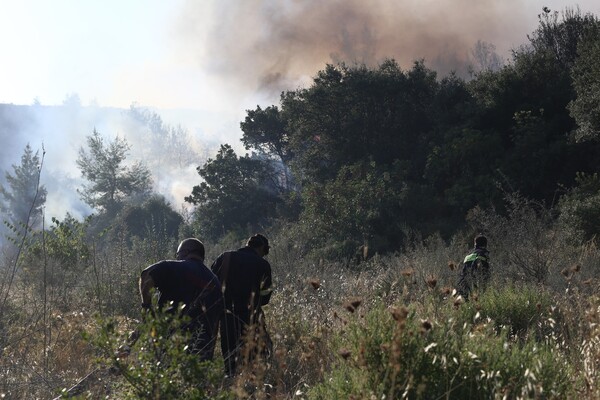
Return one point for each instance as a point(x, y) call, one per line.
point(475, 272)
point(246, 281)
point(188, 282)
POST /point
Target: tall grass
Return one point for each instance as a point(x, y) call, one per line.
point(389, 326)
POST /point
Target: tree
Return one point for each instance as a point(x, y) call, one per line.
point(162, 139)
point(265, 131)
point(237, 193)
point(585, 108)
point(24, 198)
point(560, 37)
point(153, 218)
point(111, 183)
point(485, 57)
point(580, 207)
point(351, 114)
point(360, 207)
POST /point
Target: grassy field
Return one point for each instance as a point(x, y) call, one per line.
point(387, 327)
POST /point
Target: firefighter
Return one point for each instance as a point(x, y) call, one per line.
point(246, 281)
point(189, 283)
point(475, 271)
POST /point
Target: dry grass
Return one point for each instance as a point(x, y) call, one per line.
point(316, 306)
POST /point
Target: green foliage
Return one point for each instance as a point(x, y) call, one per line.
point(265, 131)
point(236, 193)
point(111, 183)
point(560, 37)
point(580, 208)
point(523, 310)
point(66, 242)
point(153, 218)
point(358, 206)
point(357, 114)
point(159, 366)
point(585, 108)
point(405, 353)
point(23, 198)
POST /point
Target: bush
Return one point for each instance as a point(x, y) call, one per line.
point(400, 352)
point(159, 366)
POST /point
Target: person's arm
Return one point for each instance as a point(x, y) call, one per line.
point(146, 284)
point(266, 286)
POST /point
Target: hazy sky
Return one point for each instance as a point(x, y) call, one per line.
point(214, 55)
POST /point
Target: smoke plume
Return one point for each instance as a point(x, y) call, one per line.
point(276, 45)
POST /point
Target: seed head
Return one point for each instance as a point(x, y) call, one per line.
point(344, 353)
point(356, 302)
point(426, 326)
point(458, 301)
point(431, 282)
point(352, 305)
point(451, 265)
point(399, 314)
point(315, 283)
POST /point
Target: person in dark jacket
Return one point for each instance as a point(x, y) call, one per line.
point(475, 272)
point(246, 281)
point(188, 282)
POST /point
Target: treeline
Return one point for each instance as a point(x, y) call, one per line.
point(365, 156)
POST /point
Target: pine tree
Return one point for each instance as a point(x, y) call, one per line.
point(23, 197)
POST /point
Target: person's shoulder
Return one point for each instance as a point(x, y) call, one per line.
point(158, 265)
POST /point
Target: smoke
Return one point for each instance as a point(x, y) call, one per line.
point(59, 132)
point(272, 45)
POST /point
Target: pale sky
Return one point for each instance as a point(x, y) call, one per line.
point(110, 52)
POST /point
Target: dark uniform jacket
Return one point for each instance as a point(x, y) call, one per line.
point(246, 280)
point(191, 283)
point(475, 272)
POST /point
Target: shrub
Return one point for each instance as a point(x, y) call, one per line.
point(159, 366)
point(401, 353)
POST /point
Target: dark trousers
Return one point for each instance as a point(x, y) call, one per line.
point(242, 341)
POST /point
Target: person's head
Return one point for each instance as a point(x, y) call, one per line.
point(480, 241)
point(259, 243)
point(190, 248)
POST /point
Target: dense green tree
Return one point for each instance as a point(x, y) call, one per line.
point(525, 106)
point(153, 218)
point(559, 34)
point(265, 131)
point(580, 207)
point(356, 113)
point(585, 108)
point(237, 193)
point(23, 197)
point(111, 182)
point(445, 145)
point(361, 206)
